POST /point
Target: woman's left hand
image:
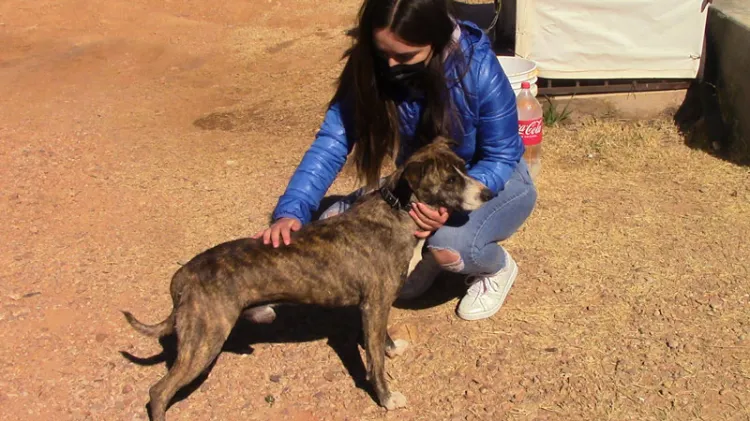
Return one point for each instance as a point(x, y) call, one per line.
point(427, 218)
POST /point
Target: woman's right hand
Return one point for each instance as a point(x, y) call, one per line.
point(281, 230)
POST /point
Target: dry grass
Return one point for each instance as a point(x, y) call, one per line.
point(635, 267)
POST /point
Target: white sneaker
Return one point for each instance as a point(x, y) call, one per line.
point(263, 314)
point(421, 278)
point(486, 294)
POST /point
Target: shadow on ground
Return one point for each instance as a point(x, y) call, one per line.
point(303, 323)
point(293, 324)
point(700, 121)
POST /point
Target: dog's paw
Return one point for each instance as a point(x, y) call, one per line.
point(399, 347)
point(395, 401)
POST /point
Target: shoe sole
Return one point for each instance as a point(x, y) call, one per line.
point(491, 312)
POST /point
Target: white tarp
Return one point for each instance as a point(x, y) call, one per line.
point(611, 39)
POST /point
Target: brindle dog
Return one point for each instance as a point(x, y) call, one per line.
point(358, 258)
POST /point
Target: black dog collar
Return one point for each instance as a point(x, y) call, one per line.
point(393, 200)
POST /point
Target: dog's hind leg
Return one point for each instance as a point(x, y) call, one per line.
point(374, 322)
point(198, 344)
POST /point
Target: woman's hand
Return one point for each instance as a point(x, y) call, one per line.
point(280, 230)
point(427, 218)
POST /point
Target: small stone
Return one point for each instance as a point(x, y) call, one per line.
point(100, 337)
point(518, 396)
point(468, 394)
point(550, 349)
point(329, 376)
point(270, 399)
point(275, 378)
point(672, 343)
point(505, 407)
point(127, 389)
point(319, 395)
point(34, 230)
point(231, 162)
point(722, 392)
point(484, 389)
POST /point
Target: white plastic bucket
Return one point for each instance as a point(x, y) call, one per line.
point(519, 70)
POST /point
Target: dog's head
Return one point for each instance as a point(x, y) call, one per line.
point(437, 177)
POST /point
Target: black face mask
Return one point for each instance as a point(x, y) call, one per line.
point(406, 78)
point(406, 73)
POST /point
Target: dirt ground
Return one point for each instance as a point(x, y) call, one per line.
point(135, 134)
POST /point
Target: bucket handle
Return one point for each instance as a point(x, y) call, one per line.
point(495, 18)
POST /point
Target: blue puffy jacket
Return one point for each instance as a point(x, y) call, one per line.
point(490, 145)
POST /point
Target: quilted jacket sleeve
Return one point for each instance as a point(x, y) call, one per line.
point(318, 169)
point(499, 147)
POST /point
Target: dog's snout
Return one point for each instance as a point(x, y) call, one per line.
point(475, 195)
point(485, 195)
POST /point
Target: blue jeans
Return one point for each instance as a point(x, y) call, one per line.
point(474, 236)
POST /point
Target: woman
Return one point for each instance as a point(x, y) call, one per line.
point(413, 73)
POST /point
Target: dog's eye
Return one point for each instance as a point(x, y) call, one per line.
point(452, 179)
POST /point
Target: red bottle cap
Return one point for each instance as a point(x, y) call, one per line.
point(525, 85)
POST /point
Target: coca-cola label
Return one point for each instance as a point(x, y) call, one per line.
point(530, 131)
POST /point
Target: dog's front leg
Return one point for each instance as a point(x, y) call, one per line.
point(374, 323)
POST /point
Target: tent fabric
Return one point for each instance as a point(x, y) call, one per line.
point(611, 39)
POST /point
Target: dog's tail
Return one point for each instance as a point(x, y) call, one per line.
point(160, 329)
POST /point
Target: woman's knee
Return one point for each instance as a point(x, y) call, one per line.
point(449, 260)
point(449, 255)
point(445, 257)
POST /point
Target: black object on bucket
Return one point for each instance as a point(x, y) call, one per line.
point(484, 15)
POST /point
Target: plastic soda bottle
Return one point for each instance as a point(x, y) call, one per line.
point(530, 128)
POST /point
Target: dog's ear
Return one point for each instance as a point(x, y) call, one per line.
point(413, 174)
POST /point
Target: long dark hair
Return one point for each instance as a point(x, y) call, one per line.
point(375, 116)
